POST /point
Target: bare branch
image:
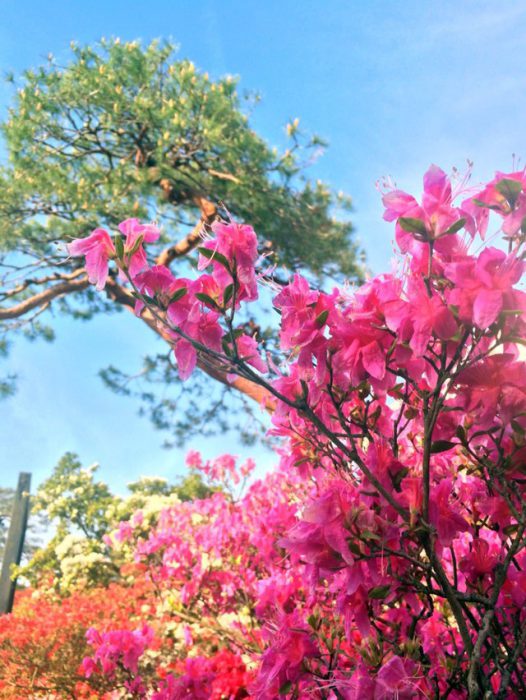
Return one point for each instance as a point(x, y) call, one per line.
point(31, 281)
point(44, 297)
point(189, 242)
point(224, 176)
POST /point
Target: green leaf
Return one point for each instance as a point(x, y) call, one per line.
point(455, 227)
point(206, 299)
point(136, 245)
point(119, 246)
point(510, 189)
point(461, 434)
point(214, 256)
point(313, 621)
point(322, 318)
point(227, 294)
point(399, 477)
point(301, 461)
point(442, 446)
point(354, 547)
point(379, 592)
point(227, 348)
point(179, 294)
point(479, 202)
point(517, 427)
point(285, 688)
point(413, 225)
point(485, 205)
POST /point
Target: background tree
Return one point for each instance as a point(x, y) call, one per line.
point(125, 129)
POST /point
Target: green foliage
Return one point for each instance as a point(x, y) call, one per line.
point(192, 488)
point(72, 498)
point(124, 129)
point(76, 505)
point(7, 382)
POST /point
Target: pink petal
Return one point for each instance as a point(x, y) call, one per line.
point(487, 307)
point(437, 188)
point(373, 360)
point(186, 358)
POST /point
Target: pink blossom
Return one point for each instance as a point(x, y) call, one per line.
point(238, 244)
point(484, 286)
point(506, 194)
point(396, 678)
point(247, 348)
point(282, 662)
point(436, 213)
point(481, 560)
point(133, 230)
point(159, 282)
point(98, 249)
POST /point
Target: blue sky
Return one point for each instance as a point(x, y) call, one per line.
point(393, 86)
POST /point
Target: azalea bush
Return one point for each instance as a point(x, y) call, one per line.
point(386, 558)
point(184, 619)
point(43, 642)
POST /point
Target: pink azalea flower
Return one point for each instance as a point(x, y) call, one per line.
point(483, 286)
point(186, 358)
point(296, 302)
point(506, 194)
point(238, 244)
point(436, 213)
point(429, 316)
point(205, 330)
point(133, 230)
point(481, 560)
point(396, 679)
point(247, 348)
point(444, 514)
point(97, 248)
point(283, 662)
point(159, 282)
point(493, 388)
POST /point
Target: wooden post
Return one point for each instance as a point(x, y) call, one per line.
point(15, 541)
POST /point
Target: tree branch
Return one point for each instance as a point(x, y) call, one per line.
point(244, 386)
point(189, 242)
point(47, 295)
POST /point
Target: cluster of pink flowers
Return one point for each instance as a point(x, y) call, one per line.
point(211, 550)
point(218, 574)
point(98, 249)
point(118, 647)
point(222, 470)
point(402, 408)
point(224, 675)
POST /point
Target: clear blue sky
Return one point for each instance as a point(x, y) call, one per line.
point(394, 86)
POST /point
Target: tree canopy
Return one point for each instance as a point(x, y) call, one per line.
point(129, 129)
